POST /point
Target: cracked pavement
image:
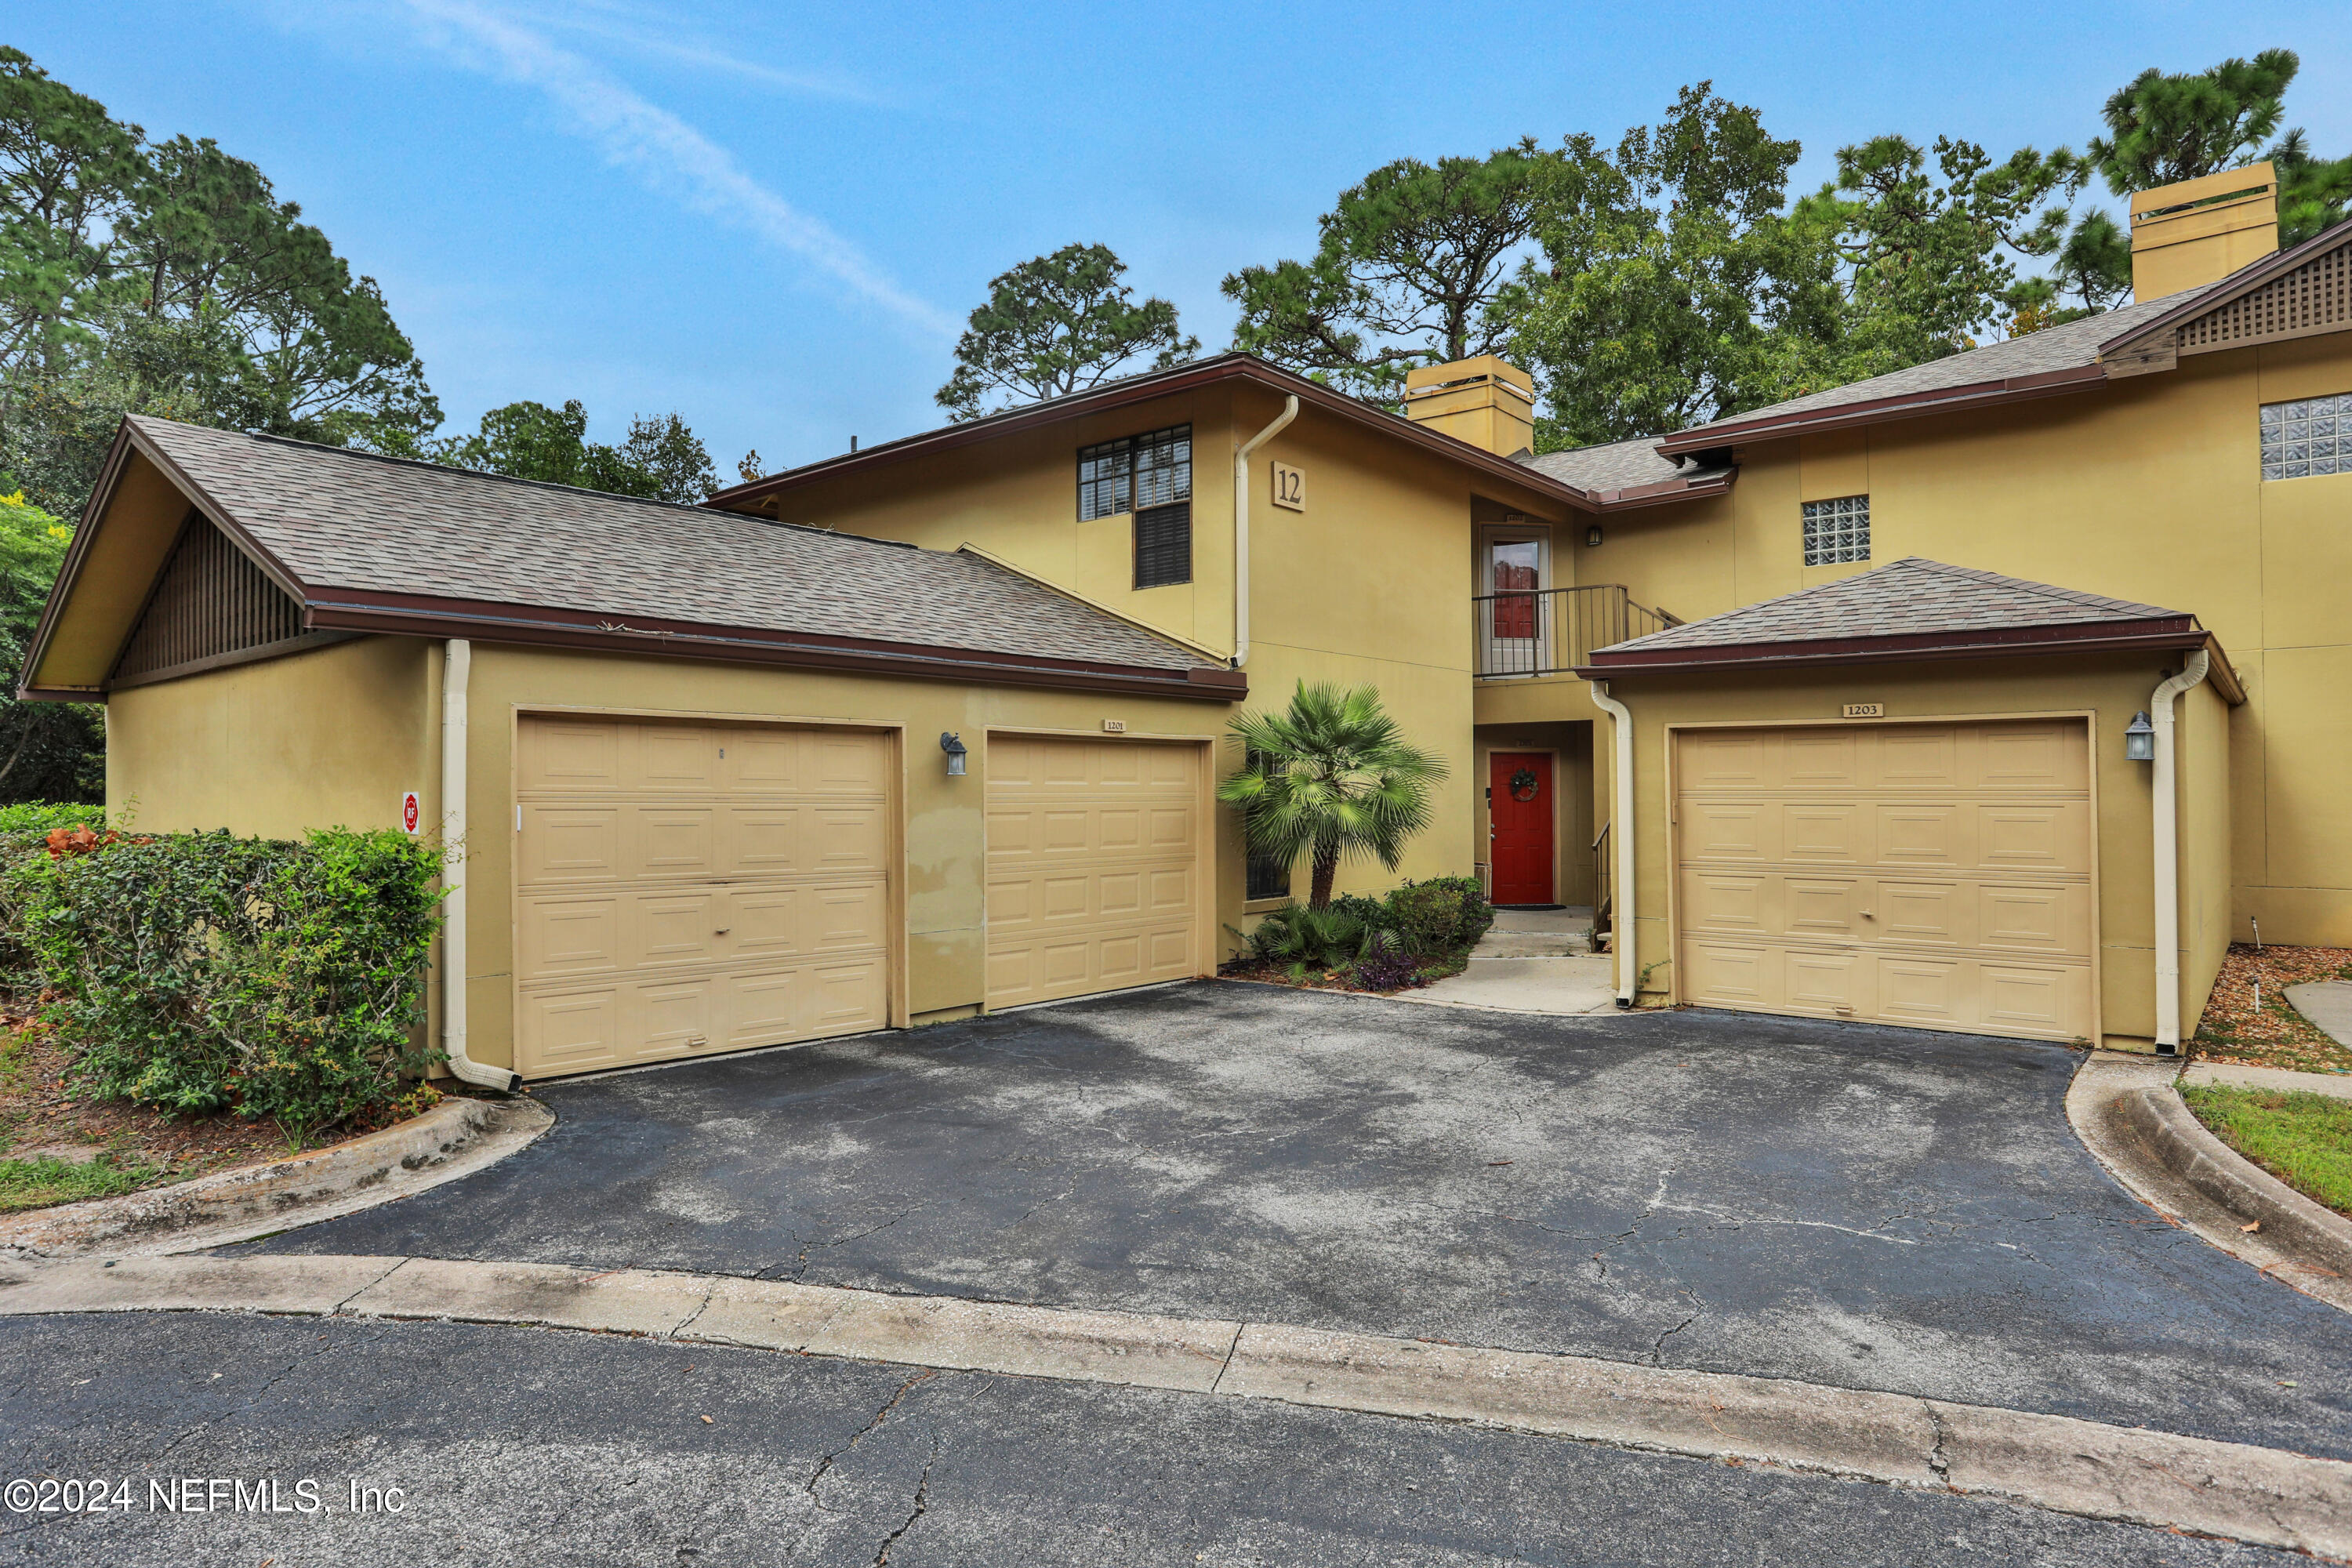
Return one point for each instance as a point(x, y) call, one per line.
point(1841, 1203)
point(520, 1446)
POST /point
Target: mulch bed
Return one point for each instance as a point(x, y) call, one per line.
point(40, 1112)
point(1336, 979)
point(2273, 1034)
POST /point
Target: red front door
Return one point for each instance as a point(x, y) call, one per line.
point(1520, 806)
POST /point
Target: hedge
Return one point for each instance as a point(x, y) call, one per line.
point(200, 973)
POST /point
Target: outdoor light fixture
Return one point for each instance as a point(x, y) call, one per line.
point(953, 746)
point(1592, 535)
point(2139, 740)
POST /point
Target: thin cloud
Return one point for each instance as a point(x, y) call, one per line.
point(666, 152)
point(654, 34)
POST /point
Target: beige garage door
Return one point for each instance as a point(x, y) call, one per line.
point(1094, 866)
point(1931, 875)
point(684, 888)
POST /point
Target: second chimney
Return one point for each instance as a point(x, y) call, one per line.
point(2199, 231)
point(1482, 401)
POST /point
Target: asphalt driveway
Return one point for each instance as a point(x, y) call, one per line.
point(1872, 1207)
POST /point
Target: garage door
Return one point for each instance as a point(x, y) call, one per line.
point(684, 888)
point(1931, 875)
point(1095, 867)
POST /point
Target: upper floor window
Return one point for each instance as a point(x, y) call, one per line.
point(1135, 472)
point(1837, 531)
point(2312, 436)
point(1152, 477)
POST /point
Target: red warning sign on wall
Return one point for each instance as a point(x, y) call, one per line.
point(412, 813)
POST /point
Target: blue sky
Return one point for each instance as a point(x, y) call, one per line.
point(772, 218)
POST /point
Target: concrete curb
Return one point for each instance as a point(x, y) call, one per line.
point(2187, 1149)
point(2263, 1496)
point(454, 1139)
point(1607, 1008)
point(2128, 1115)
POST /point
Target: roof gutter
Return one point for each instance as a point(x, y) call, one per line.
point(2166, 814)
point(416, 617)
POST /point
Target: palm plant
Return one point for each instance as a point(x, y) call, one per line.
point(1329, 777)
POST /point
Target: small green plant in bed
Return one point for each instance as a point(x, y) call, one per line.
point(1419, 932)
point(40, 1182)
point(2303, 1139)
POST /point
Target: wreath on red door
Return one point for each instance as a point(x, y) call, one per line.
point(1523, 784)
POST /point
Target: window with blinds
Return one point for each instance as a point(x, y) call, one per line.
point(1150, 476)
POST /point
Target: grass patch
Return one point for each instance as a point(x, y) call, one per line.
point(37, 1183)
point(2303, 1139)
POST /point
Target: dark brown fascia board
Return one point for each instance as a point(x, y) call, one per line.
point(1163, 384)
point(403, 615)
point(2158, 637)
point(2244, 281)
point(1661, 491)
point(1877, 410)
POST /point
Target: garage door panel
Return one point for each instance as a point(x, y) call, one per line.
point(664, 758)
point(1936, 875)
point(571, 1031)
point(724, 885)
point(670, 843)
point(570, 755)
point(570, 844)
point(1093, 856)
point(570, 936)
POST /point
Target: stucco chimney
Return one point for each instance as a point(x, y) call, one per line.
point(1482, 401)
point(2201, 231)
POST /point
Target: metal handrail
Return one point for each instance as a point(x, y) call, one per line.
point(1600, 888)
point(1543, 631)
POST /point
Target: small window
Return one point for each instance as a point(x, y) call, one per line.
point(1267, 880)
point(1135, 473)
point(2312, 436)
point(1837, 531)
point(1163, 546)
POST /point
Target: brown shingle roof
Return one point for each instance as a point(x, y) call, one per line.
point(356, 524)
point(1907, 597)
point(1911, 609)
point(1619, 466)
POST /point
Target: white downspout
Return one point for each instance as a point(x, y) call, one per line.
point(1241, 526)
point(2166, 813)
point(1621, 825)
point(456, 665)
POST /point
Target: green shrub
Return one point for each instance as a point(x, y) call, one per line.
point(200, 971)
point(1385, 940)
point(40, 817)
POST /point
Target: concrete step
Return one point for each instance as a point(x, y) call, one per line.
point(1533, 944)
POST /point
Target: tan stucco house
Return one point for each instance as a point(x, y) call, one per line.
point(1835, 708)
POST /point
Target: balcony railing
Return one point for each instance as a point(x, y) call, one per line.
point(1542, 631)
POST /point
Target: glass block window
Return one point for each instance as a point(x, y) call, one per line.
point(1837, 531)
point(1135, 472)
point(2312, 436)
point(1163, 546)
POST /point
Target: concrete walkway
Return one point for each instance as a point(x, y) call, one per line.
point(2264, 1496)
point(1532, 961)
point(2328, 1005)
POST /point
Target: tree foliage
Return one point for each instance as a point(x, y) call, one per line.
point(1409, 270)
point(1328, 777)
point(1057, 324)
point(49, 751)
point(661, 460)
point(170, 277)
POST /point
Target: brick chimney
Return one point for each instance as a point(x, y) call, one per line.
point(1482, 401)
point(2199, 231)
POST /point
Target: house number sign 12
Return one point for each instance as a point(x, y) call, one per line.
point(1289, 487)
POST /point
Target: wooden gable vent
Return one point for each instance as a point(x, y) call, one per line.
point(211, 605)
point(2316, 297)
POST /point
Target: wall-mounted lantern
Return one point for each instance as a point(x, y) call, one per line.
point(953, 746)
point(1592, 536)
point(2139, 740)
